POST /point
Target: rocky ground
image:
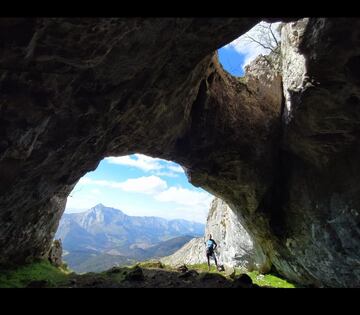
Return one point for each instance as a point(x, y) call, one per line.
point(138, 277)
point(143, 275)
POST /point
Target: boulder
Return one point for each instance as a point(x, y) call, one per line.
point(243, 281)
point(182, 268)
point(189, 274)
point(136, 274)
point(230, 272)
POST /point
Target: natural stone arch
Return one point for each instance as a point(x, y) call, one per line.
point(76, 90)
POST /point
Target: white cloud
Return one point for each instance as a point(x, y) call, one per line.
point(76, 203)
point(198, 214)
point(145, 184)
point(249, 48)
point(143, 162)
point(167, 174)
point(192, 205)
point(183, 196)
point(176, 168)
point(86, 181)
point(148, 164)
point(185, 203)
point(165, 201)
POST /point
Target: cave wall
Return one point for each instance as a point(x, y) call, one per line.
point(75, 90)
point(320, 172)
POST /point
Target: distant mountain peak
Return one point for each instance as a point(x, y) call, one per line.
point(99, 206)
point(102, 208)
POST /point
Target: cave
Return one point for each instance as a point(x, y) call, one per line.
point(282, 152)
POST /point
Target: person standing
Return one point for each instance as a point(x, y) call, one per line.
point(210, 250)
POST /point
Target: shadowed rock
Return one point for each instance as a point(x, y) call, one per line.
point(38, 284)
point(243, 281)
point(135, 275)
point(189, 274)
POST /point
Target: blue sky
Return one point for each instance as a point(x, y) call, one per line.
point(240, 52)
point(232, 60)
point(141, 185)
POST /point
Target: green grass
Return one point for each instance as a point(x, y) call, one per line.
point(203, 268)
point(118, 276)
point(42, 270)
point(268, 280)
point(150, 264)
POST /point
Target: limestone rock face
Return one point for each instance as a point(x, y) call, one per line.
point(263, 76)
point(191, 253)
point(55, 253)
point(235, 247)
point(74, 91)
point(318, 197)
point(293, 62)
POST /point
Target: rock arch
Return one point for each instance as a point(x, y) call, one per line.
point(76, 90)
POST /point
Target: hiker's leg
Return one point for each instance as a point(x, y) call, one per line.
point(208, 259)
point(215, 260)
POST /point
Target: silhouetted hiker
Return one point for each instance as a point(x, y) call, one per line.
point(210, 248)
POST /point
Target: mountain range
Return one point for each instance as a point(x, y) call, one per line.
point(102, 237)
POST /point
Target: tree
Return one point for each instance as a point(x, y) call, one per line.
point(266, 35)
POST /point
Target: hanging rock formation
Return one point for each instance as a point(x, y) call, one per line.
point(55, 253)
point(74, 91)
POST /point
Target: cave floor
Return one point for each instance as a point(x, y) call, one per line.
point(143, 275)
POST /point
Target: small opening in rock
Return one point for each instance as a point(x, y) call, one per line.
point(262, 39)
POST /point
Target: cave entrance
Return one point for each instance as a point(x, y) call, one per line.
point(262, 39)
point(131, 208)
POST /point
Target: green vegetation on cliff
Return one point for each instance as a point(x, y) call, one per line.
point(38, 271)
